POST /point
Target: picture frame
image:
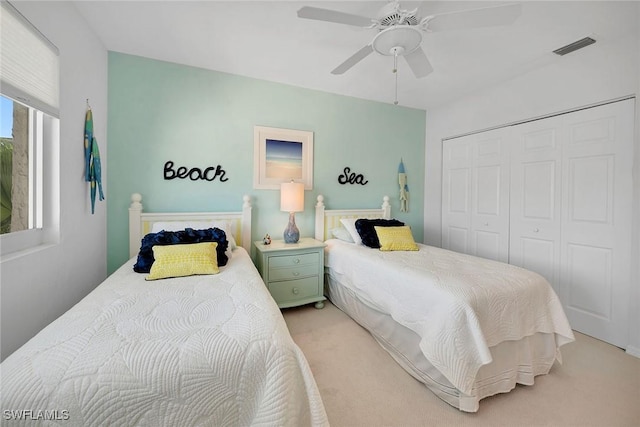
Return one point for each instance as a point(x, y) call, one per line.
point(282, 155)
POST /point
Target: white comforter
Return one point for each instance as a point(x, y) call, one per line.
point(459, 305)
point(201, 350)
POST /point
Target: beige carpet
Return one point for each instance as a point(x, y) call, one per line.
point(361, 385)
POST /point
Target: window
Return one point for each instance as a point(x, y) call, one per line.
point(29, 134)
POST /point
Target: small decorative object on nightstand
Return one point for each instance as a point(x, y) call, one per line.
point(266, 240)
point(293, 272)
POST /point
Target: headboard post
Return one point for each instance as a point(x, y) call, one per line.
point(319, 229)
point(246, 223)
point(386, 208)
point(135, 210)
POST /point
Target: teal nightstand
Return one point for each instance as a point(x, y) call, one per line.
point(293, 272)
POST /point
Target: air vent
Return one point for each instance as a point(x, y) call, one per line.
point(574, 46)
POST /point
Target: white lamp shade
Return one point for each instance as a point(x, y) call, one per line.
point(292, 197)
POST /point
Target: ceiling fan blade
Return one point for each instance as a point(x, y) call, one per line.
point(431, 8)
point(353, 60)
point(419, 63)
point(475, 18)
point(319, 14)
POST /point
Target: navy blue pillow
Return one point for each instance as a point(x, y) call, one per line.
point(367, 232)
point(188, 235)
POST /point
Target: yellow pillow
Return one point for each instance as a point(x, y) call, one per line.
point(396, 238)
point(184, 260)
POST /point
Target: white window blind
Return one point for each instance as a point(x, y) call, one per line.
point(29, 66)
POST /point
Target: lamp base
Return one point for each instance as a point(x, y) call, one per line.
point(291, 233)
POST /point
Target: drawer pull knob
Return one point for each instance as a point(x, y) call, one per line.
point(296, 273)
point(296, 260)
point(295, 291)
point(535, 230)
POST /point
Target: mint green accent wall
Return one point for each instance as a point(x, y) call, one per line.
point(161, 111)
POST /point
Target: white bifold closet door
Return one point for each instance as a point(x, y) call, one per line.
point(569, 203)
point(597, 162)
point(475, 195)
point(536, 197)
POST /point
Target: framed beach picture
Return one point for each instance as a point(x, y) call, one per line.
point(282, 155)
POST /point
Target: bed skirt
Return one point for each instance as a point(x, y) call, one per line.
point(514, 362)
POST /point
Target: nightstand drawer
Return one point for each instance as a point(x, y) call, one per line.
point(292, 260)
point(290, 273)
point(292, 290)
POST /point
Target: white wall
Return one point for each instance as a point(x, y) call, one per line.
point(604, 71)
point(41, 285)
point(634, 308)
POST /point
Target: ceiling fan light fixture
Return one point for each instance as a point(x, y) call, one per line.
point(397, 51)
point(400, 31)
point(392, 14)
point(406, 37)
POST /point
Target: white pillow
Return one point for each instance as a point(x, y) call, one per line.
point(341, 233)
point(350, 225)
point(225, 226)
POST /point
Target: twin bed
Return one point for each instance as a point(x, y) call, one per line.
point(466, 327)
point(214, 349)
point(196, 350)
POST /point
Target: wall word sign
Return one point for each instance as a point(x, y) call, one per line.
point(349, 177)
point(194, 174)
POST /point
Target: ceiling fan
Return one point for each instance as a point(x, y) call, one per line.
point(400, 31)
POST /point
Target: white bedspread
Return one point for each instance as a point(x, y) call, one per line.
point(459, 305)
point(202, 350)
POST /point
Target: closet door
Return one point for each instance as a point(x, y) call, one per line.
point(597, 157)
point(536, 199)
point(475, 208)
point(457, 173)
point(567, 214)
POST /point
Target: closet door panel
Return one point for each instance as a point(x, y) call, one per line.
point(490, 195)
point(457, 239)
point(488, 190)
point(535, 211)
point(589, 281)
point(596, 220)
point(475, 194)
point(591, 191)
point(456, 194)
point(538, 193)
point(487, 212)
point(488, 245)
point(459, 187)
point(540, 255)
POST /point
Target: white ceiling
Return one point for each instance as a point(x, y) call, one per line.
point(266, 40)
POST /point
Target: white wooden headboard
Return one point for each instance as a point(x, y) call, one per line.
point(141, 223)
point(327, 219)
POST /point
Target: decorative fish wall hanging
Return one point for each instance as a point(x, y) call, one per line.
point(93, 167)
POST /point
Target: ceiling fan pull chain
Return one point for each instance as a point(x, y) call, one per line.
point(395, 71)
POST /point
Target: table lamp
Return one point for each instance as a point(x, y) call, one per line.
point(291, 200)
